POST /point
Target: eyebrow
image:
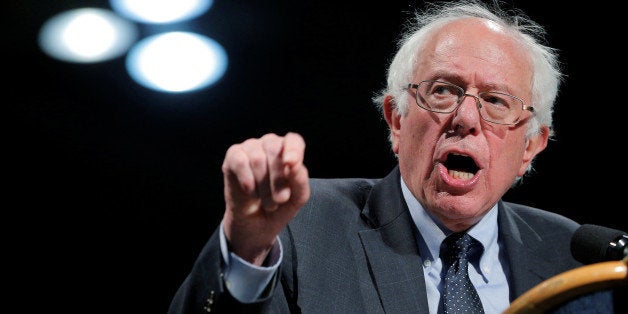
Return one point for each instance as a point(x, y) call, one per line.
point(458, 80)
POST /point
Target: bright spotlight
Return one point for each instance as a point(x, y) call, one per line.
point(160, 11)
point(86, 35)
point(176, 62)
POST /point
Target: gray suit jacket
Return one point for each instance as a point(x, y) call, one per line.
point(352, 249)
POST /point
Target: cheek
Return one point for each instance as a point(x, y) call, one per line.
point(507, 156)
point(417, 138)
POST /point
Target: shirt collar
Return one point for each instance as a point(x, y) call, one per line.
point(434, 233)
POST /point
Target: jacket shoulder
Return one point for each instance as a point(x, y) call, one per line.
point(334, 201)
point(353, 189)
point(539, 218)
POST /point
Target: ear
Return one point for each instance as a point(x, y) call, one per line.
point(534, 145)
point(393, 118)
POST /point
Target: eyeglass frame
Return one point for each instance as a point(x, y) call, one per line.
point(461, 98)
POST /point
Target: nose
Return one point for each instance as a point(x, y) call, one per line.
point(467, 116)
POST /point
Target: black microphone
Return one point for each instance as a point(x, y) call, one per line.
point(593, 244)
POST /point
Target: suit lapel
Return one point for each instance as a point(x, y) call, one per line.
point(391, 249)
point(524, 249)
point(392, 252)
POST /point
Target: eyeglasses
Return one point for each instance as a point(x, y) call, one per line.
point(494, 107)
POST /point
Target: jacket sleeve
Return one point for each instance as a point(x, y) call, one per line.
point(203, 290)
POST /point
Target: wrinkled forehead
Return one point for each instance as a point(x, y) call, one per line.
point(479, 49)
point(465, 32)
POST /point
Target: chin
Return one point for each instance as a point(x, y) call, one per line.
point(458, 206)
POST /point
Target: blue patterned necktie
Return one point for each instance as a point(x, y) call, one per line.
point(459, 294)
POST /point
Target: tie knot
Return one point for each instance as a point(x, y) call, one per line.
point(457, 246)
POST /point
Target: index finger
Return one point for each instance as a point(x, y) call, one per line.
point(293, 152)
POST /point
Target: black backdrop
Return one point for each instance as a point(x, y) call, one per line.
point(112, 189)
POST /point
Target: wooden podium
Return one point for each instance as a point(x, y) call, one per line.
point(570, 284)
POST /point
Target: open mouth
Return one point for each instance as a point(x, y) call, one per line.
point(461, 166)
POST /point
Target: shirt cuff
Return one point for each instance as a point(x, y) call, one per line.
point(246, 281)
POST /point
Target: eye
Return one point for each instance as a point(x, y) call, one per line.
point(444, 90)
point(496, 100)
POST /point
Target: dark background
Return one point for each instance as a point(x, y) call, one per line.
point(112, 189)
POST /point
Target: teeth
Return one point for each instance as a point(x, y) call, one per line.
point(460, 174)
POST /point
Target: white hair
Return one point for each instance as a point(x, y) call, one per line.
point(544, 60)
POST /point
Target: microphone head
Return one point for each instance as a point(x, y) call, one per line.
point(593, 244)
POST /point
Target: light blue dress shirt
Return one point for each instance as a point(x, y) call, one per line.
point(488, 274)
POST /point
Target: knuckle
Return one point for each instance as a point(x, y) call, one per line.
point(270, 136)
point(272, 144)
point(257, 159)
point(234, 157)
